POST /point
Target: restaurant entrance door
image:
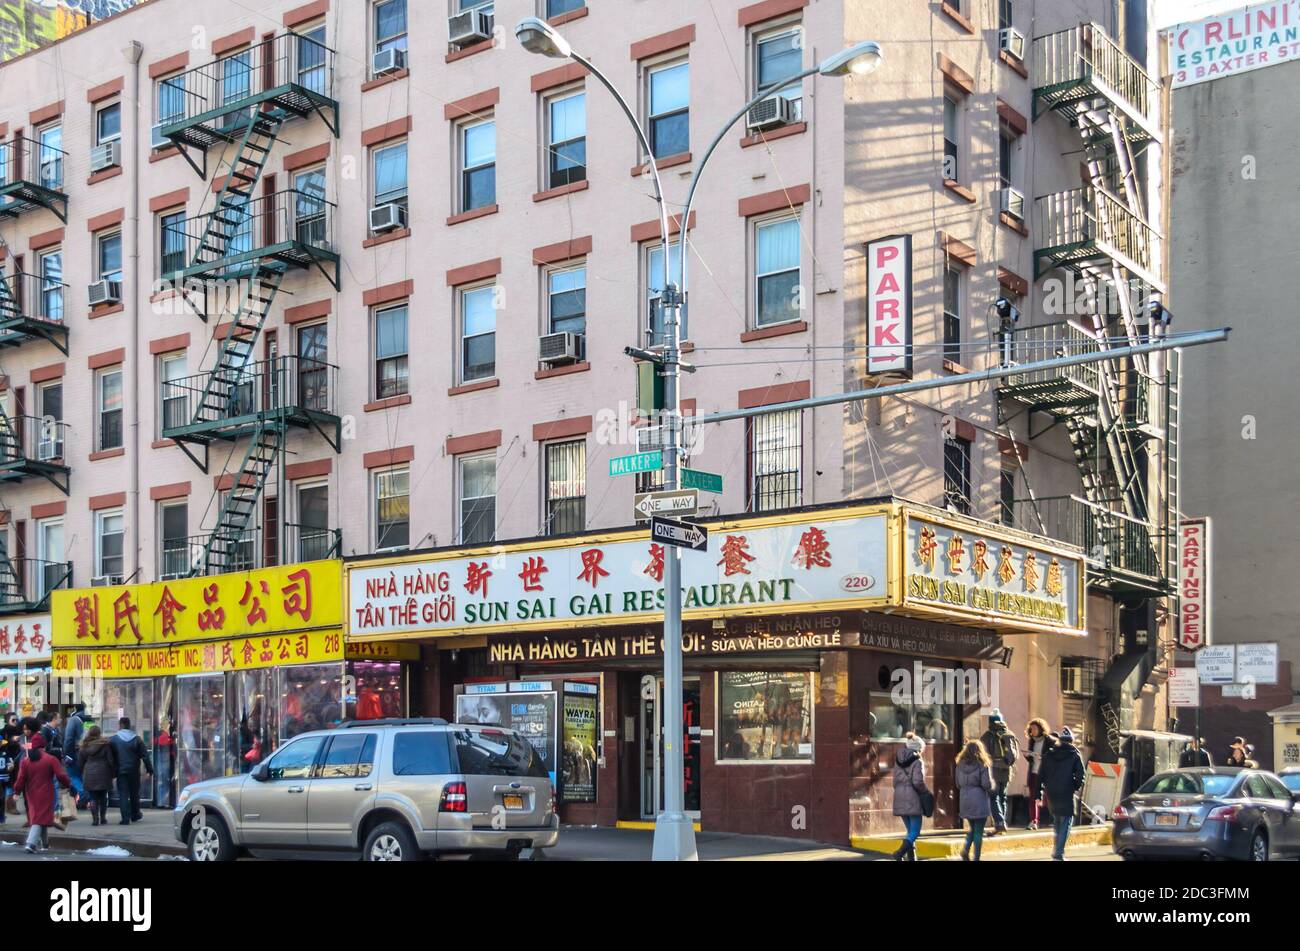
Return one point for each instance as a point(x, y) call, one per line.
point(651, 748)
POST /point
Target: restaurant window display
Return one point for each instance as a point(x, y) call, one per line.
point(899, 706)
point(133, 699)
point(248, 717)
point(311, 698)
point(377, 689)
point(200, 735)
point(765, 716)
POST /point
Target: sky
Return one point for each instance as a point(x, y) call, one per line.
point(1171, 12)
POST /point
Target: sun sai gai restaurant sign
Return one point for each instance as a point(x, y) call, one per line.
point(824, 559)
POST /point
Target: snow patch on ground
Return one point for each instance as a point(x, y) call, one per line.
point(113, 851)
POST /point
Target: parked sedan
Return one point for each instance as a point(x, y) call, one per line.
point(1209, 813)
point(1290, 777)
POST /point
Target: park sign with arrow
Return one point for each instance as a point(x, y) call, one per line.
point(679, 534)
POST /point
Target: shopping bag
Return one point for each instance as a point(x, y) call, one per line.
point(69, 803)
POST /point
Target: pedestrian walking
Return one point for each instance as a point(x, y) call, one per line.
point(1237, 753)
point(1037, 740)
point(74, 730)
point(1003, 751)
point(913, 799)
point(974, 795)
point(51, 730)
point(129, 753)
point(39, 776)
point(1061, 779)
point(164, 765)
point(1194, 754)
point(98, 765)
point(10, 751)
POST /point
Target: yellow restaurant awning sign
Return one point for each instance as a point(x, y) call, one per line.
point(233, 654)
point(280, 600)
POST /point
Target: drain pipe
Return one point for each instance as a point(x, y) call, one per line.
point(133, 52)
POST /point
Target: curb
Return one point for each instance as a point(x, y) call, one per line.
point(71, 840)
point(949, 846)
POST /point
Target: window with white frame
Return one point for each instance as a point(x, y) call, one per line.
point(170, 93)
point(952, 312)
point(952, 108)
point(555, 8)
point(310, 222)
point(389, 174)
point(50, 267)
point(1006, 14)
point(109, 533)
point(50, 551)
point(566, 487)
point(1007, 494)
point(668, 99)
point(50, 139)
point(1006, 157)
point(313, 70)
point(392, 375)
point(392, 493)
point(566, 299)
point(390, 25)
point(654, 280)
point(776, 271)
point(108, 257)
point(108, 409)
point(173, 535)
point(566, 139)
point(477, 491)
point(315, 540)
point(171, 243)
point(478, 165)
point(173, 394)
point(478, 320)
point(108, 123)
point(49, 405)
point(775, 454)
point(778, 56)
point(486, 6)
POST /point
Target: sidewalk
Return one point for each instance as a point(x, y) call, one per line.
point(149, 838)
point(947, 844)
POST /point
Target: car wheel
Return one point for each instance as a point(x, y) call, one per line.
point(210, 842)
point(390, 842)
point(1259, 847)
point(1128, 855)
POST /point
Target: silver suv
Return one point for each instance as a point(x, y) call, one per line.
point(397, 790)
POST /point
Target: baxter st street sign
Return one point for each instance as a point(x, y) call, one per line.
point(679, 534)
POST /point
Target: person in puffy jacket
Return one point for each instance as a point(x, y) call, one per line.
point(39, 777)
point(1061, 779)
point(98, 764)
point(909, 786)
point(974, 795)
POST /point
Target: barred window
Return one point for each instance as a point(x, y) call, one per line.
point(566, 487)
point(775, 451)
point(956, 474)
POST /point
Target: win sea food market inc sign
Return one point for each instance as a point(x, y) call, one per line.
point(1263, 34)
point(832, 561)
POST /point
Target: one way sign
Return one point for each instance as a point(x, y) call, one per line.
point(679, 534)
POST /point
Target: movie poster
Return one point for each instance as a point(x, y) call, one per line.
point(578, 762)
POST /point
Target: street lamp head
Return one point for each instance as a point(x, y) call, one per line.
point(858, 60)
point(538, 36)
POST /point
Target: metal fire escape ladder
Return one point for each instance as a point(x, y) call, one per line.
point(239, 508)
point(226, 378)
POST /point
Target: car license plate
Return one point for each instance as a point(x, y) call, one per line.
point(1166, 819)
point(514, 802)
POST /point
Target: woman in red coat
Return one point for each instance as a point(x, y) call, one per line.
point(35, 783)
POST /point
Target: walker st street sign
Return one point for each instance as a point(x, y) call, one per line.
point(678, 534)
point(681, 502)
point(636, 463)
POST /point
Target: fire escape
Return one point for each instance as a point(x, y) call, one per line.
point(1120, 415)
point(240, 253)
point(31, 313)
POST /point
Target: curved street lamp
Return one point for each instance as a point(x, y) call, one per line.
point(674, 832)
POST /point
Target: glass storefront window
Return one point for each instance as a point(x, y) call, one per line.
point(765, 716)
point(311, 698)
point(200, 734)
point(377, 690)
point(249, 719)
point(919, 708)
point(133, 699)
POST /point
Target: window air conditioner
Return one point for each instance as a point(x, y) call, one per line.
point(108, 155)
point(388, 61)
point(105, 581)
point(560, 348)
point(1012, 41)
point(472, 26)
point(388, 217)
point(771, 112)
point(1013, 202)
point(51, 172)
point(49, 449)
point(105, 292)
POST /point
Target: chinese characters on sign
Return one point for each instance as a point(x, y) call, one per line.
point(246, 653)
point(25, 640)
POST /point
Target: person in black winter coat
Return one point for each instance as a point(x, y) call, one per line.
point(1061, 779)
point(129, 752)
point(1195, 754)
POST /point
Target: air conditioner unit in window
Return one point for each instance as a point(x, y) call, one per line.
point(1013, 202)
point(771, 112)
point(388, 61)
point(156, 139)
point(472, 26)
point(388, 217)
point(105, 292)
point(108, 155)
point(105, 581)
point(560, 348)
point(1012, 41)
point(51, 172)
point(48, 449)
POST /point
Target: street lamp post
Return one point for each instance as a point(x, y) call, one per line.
point(674, 838)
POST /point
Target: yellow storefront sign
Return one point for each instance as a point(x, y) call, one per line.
point(232, 654)
point(251, 604)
